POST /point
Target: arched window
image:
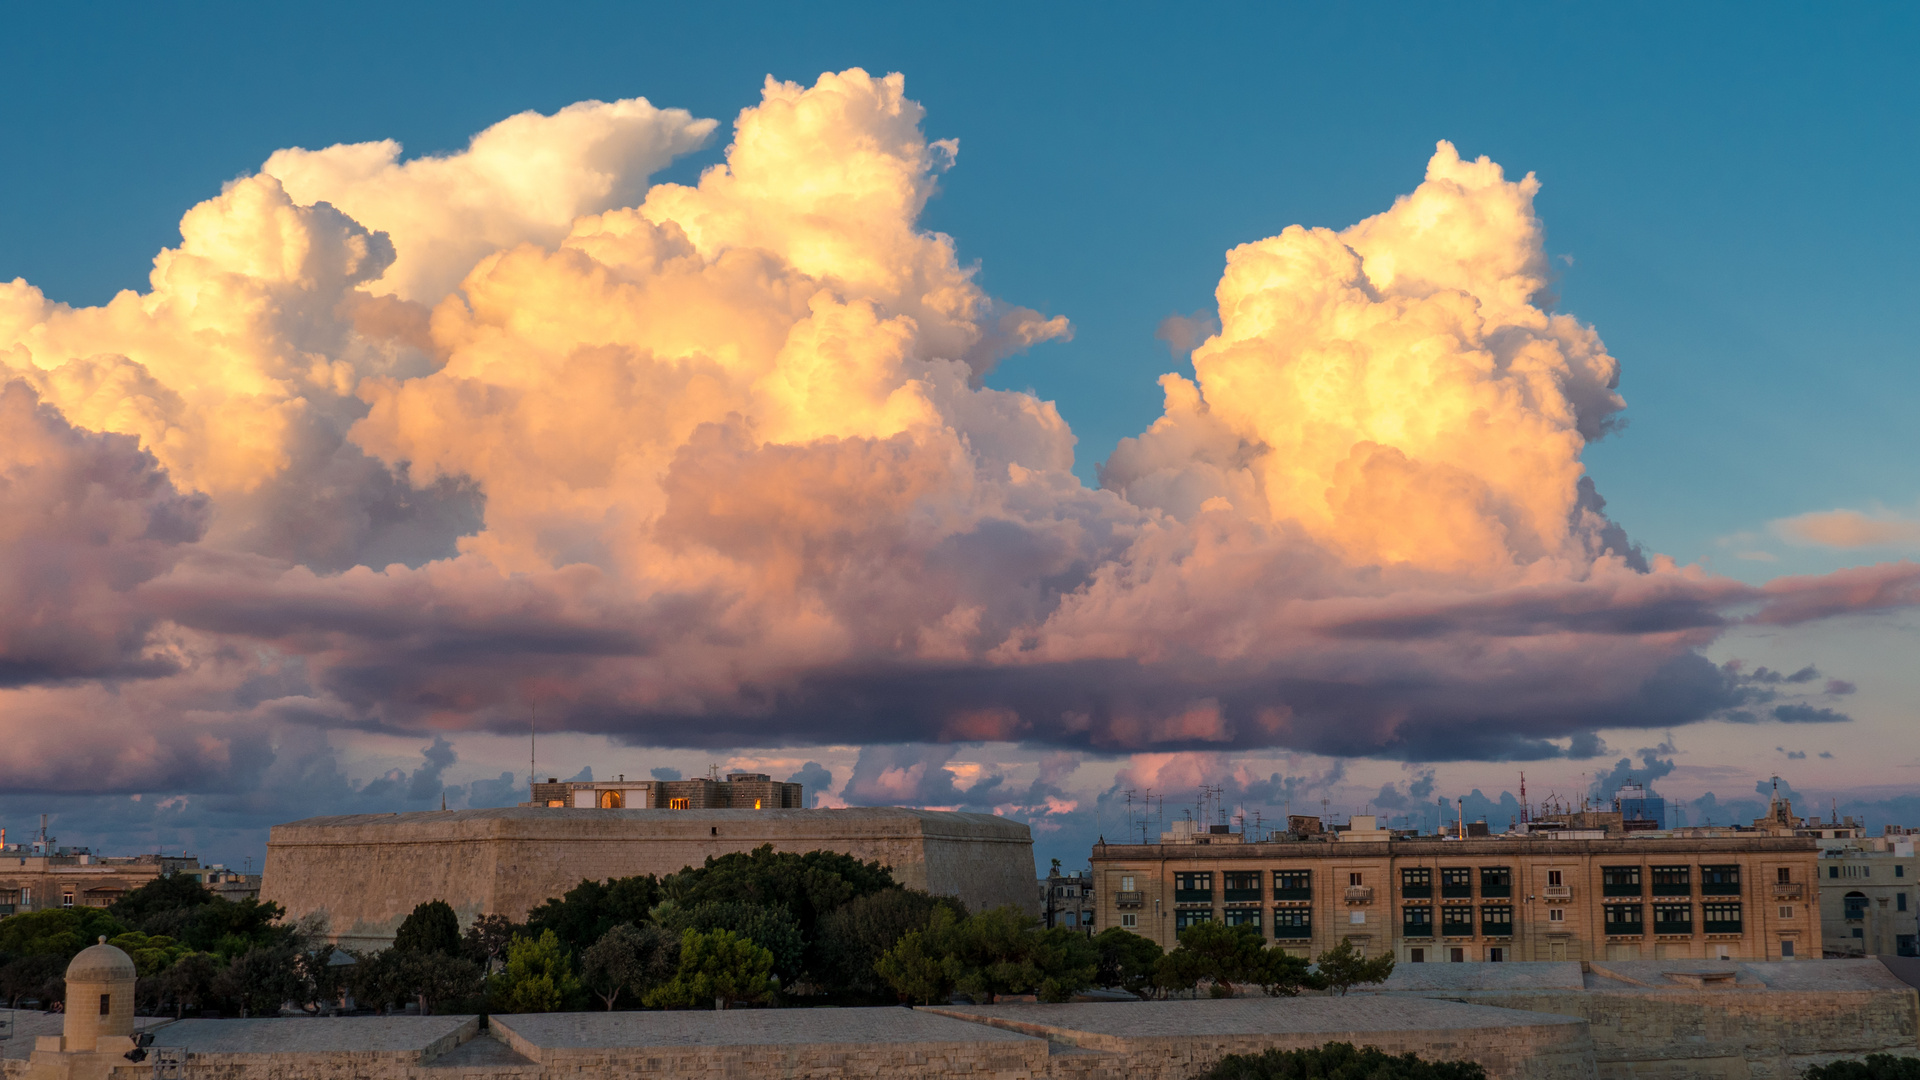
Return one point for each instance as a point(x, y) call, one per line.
point(612, 800)
point(1856, 905)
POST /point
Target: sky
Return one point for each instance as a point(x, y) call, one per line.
point(994, 408)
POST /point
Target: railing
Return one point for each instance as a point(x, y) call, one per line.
point(1719, 888)
point(1496, 929)
point(1240, 896)
point(1626, 929)
point(1495, 892)
point(1618, 889)
point(1193, 896)
point(1131, 899)
point(1788, 890)
point(1724, 926)
point(1672, 927)
point(1457, 929)
point(1417, 892)
point(1293, 894)
point(1557, 892)
point(1457, 892)
point(1669, 888)
point(1359, 894)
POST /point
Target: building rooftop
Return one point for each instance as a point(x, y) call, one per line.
point(535, 821)
point(743, 1027)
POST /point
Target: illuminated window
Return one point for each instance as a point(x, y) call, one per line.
point(555, 802)
point(676, 804)
point(756, 804)
point(612, 800)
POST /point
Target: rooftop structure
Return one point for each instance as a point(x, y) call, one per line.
point(739, 791)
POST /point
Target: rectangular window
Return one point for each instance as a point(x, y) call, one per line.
point(1353, 878)
point(1243, 917)
point(1357, 918)
point(1190, 917)
point(1833, 871)
point(1496, 882)
point(1556, 914)
point(106, 1004)
point(1416, 922)
point(1784, 876)
point(1625, 920)
point(1292, 923)
point(1129, 920)
point(676, 804)
point(1856, 906)
point(1786, 911)
point(1458, 956)
point(1496, 920)
point(1456, 881)
point(1620, 881)
point(1720, 880)
point(1193, 888)
point(1553, 877)
point(1673, 918)
point(1899, 871)
point(1416, 956)
point(1900, 901)
point(1456, 920)
point(1242, 885)
point(1673, 881)
point(1126, 883)
point(1496, 955)
point(1721, 918)
point(66, 899)
point(1293, 884)
point(1416, 883)
point(1786, 950)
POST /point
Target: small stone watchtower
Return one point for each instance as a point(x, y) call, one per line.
point(99, 998)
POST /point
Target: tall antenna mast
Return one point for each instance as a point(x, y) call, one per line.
point(1523, 798)
point(532, 769)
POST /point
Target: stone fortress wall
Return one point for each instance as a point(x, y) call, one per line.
point(366, 872)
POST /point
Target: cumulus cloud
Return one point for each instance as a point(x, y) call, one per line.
point(1184, 333)
point(1850, 529)
point(411, 446)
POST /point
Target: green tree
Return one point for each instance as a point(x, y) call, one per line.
point(151, 954)
point(1222, 954)
point(435, 978)
point(985, 955)
point(1281, 974)
point(32, 978)
point(61, 932)
point(1872, 1067)
point(772, 927)
point(718, 966)
point(1342, 967)
point(229, 929)
point(433, 927)
point(261, 980)
point(487, 939)
point(165, 902)
point(852, 937)
point(1338, 1061)
point(808, 885)
point(538, 977)
point(1126, 960)
point(188, 982)
point(591, 908)
point(629, 959)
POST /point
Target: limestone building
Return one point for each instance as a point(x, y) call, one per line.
point(1495, 898)
point(39, 875)
point(365, 873)
point(1868, 900)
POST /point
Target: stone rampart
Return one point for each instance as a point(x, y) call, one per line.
point(1175, 1040)
point(1731, 1020)
point(365, 873)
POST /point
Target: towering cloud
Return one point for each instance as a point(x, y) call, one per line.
point(407, 445)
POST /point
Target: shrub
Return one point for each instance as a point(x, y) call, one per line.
point(1338, 1061)
point(983, 956)
point(629, 959)
point(1873, 1067)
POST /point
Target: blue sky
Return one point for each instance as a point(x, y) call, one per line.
point(1726, 190)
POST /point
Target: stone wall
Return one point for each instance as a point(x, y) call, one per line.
point(365, 873)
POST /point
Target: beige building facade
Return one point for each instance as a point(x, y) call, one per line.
point(40, 880)
point(1498, 898)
